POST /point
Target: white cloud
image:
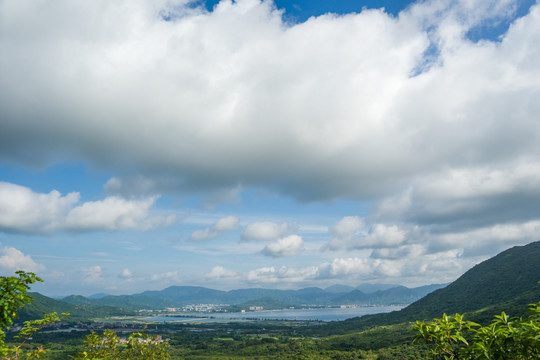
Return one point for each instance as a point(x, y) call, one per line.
point(221, 273)
point(465, 197)
point(264, 272)
point(137, 186)
point(112, 213)
point(13, 259)
point(221, 196)
point(410, 265)
point(126, 274)
point(169, 276)
point(207, 101)
point(203, 234)
point(349, 233)
point(344, 267)
point(347, 226)
point(266, 230)
point(487, 240)
point(282, 276)
point(287, 246)
point(366, 106)
point(348, 270)
point(344, 230)
point(93, 274)
point(381, 235)
point(23, 210)
point(441, 267)
point(406, 251)
point(224, 224)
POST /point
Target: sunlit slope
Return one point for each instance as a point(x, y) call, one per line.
point(508, 281)
point(43, 305)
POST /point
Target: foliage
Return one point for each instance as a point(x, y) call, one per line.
point(13, 296)
point(505, 282)
point(109, 346)
point(505, 338)
point(41, 305)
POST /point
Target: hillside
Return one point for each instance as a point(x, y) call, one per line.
point(508, 281)
point(132, 302)
point(42, 305)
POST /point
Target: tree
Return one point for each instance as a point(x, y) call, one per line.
point(13, 297)
point(109, 346)
point(505, 338)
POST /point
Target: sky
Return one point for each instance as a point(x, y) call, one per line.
point(287, 144)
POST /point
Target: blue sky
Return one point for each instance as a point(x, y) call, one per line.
point(240, 144)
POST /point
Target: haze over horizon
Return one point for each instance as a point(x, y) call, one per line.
point(250, 143)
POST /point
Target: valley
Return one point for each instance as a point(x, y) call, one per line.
point(508, 281)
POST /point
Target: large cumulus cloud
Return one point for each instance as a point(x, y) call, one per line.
point(25, 211)
point(337, 106)
point(439, 133)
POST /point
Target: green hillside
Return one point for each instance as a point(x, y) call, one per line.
point(508, 281)
point(43, 305)
point(131, 302)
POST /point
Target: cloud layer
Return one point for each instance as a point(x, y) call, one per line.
point(12, 259)
point(438, 134)
point(224, 224)
point(347, 106)
point(266, 230)
point(25, 211)
point(287, 246)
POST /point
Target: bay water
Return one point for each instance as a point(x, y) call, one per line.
point(316, 314)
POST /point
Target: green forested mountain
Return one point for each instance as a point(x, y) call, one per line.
point(123, 301)
point(507, 282)
point(43, 305)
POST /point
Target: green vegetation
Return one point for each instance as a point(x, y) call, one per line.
point(382, 337)
point(13, 296)
point(505, 338)
point(506, 282)
point(42, 305)
point(136, 346)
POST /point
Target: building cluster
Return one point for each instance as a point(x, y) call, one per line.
point(199, 308)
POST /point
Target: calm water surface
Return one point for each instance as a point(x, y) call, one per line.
point(325, 314)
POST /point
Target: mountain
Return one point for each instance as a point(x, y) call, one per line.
point(354, 297)
point(371, 288)
point(396, 295)
point(176, 296)
point(507, 282)
point(503, 279)
point(186, 295)
point(339, 289)
point(98, 296)
point(133, 302)
point(42, 305)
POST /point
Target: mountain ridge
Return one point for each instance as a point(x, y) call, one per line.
point(176, 296)
point(506, 282)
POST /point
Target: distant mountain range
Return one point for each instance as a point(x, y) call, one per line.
point(507, 282)
point(176, 296)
